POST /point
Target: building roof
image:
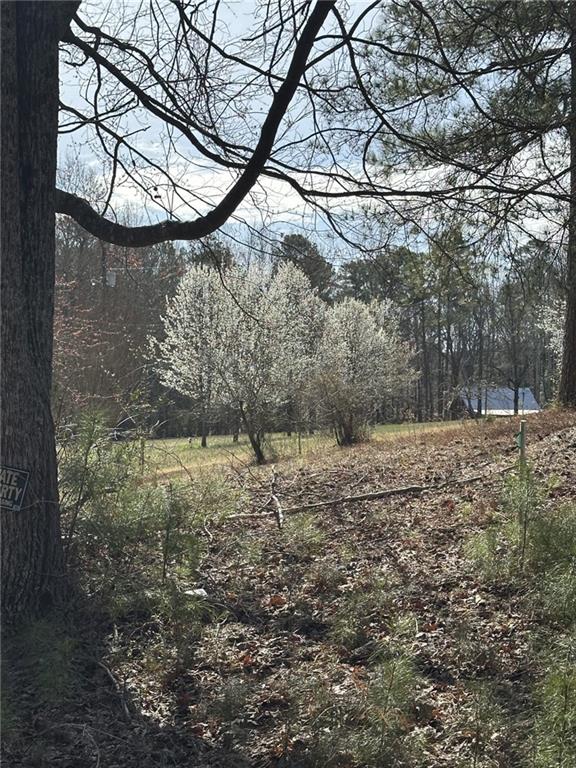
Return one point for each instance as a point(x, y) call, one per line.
point(499, 401)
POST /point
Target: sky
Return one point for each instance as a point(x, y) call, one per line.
point(273, 205)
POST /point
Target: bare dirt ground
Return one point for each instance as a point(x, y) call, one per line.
point(296, 621)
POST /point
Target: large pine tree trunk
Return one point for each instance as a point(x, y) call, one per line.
point(567, 390)
point(32, 563)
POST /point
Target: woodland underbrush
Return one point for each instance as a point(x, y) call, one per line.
point(530, 547)
point(417, 632)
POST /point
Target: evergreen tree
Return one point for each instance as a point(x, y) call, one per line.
point(303, 253)
point(482, 98)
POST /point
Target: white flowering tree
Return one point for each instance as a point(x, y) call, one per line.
point(186, 359)
point(240, 340)
point(361, 359)
point(299, 314)
point(551, 323)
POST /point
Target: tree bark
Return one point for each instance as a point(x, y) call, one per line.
point(480, 326)
point(254, 437)
point(236, 423)
point(32, 556)
point(567, 389)
point(426, 377)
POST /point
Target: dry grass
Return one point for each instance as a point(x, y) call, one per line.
point(176, 456)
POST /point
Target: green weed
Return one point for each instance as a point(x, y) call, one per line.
point(555, 723)
point(354, 722)
point(360, 613)
point(326, 577)
point(302, 537)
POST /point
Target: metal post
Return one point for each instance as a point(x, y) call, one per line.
point(522, 442)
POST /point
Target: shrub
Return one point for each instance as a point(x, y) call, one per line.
point(351, 722)
point(136, 546)
point(513, 542)
point(555, 724)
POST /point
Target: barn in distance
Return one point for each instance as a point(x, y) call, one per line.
point(495, 401)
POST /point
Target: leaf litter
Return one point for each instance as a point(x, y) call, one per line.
point(305, 622)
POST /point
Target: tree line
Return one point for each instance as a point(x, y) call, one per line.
point(471, 320)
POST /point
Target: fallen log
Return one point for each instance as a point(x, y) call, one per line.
point(371, 495)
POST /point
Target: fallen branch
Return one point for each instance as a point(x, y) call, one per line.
point(275, 501)
point(120, 690)
point(370, 495)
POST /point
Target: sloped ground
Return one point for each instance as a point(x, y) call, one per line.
point(358, 634)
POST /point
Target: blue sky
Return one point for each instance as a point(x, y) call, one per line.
point(199, 183)
point(271, 204)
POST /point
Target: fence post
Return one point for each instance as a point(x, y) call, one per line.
point(521, 442)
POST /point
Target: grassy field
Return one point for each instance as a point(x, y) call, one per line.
point(177, 455)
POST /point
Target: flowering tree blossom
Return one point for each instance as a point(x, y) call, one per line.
point(551, 323)
point(361, 360)
point(299, 314)
point(186, 358)
point(262, 342)
point(242, 339)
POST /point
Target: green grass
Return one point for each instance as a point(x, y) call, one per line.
point(176, 455)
